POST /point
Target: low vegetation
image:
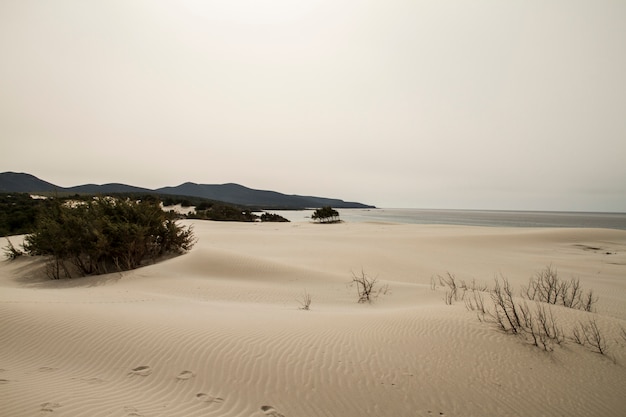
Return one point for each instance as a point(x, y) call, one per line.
point(273, 217)
point(589, 334)
point(367, 287)
point(364, 286)
point(547, 287)
point(104, 235)
point(221, 212)
point(456, 289)
point(87, 235)
point(536, 323)
point(305, 302)
point(18, 212)
point(529, 315)
point(326, 215)
point(10, 251)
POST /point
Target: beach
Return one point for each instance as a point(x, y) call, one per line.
point(222, 330)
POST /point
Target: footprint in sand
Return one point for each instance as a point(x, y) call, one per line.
point(430, 413)
point(268, 410)
point(141, 370)
point(184, 375)
point(209, 398)
point(132, 412)
point(49, 407)
point(93, 380)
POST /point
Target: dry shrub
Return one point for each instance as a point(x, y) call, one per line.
point(540, 326)
point(476, 302)
point(449, 281)
point(365, 287)
point(305, 302)
point(10, 251)
point(536, 324)
point(547, 287)
point(456, 288)
point(589, 334)
point(506, 313)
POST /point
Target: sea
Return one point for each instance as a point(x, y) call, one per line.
point(492, 218)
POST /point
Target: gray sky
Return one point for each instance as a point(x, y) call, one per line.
point(426, 104)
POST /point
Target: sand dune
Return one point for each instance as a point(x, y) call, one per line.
point(219, 332)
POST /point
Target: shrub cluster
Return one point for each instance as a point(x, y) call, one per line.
point(547, 287)
point(104, 234)
point(273, 217)
point(325, 215)
point(222, 212)
point(18, 212)
point(536, 322)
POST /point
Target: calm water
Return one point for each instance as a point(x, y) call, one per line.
point(475, 217)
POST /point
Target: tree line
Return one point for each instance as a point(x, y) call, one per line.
point(19, 211)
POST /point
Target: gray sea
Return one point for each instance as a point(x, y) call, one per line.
point(495, 218)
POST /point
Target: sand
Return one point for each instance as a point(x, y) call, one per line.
point(220, 331)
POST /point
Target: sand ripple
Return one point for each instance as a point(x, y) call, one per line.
point(218, 332)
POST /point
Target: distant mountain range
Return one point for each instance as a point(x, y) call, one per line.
point(14, 182)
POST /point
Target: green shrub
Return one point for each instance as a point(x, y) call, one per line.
point(325, 215)
point(273, 217)
point(105, 234)
point(17, 213)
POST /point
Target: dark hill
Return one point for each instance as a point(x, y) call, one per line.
point(106, 188)
point(240, 195)
point(227, 193)
point(17, 182)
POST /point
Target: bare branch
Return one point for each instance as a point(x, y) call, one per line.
point(305, 303)
point(364, 286)
point(594, 337)
point(547, 287)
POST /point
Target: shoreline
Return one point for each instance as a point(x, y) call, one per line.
point(490, 218)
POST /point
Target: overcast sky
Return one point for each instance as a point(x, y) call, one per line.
point(426, 104)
